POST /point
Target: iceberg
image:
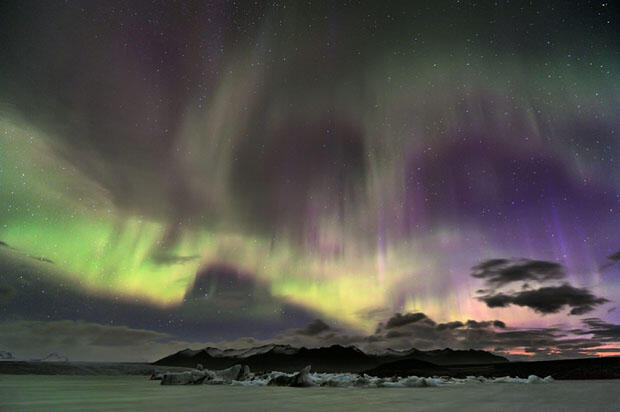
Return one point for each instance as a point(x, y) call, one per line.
point(204, 376)
point(299, 380)
point(240, 375)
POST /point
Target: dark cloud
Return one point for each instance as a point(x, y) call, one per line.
point(540, 343)
point(472, 324)
point(450, 325)
point(426, 332)
point(485, 324)
point(549, 299)
point(601, 330)
point(399, 320)
point(614, 258)
point(500, 272)
point(374, 313)
point(396, 334)
point(499, 324)
point(315, 327)
point(608, 350)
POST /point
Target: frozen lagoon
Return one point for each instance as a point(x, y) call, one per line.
point(121, 393)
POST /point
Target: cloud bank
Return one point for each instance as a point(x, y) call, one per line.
point(499, 273)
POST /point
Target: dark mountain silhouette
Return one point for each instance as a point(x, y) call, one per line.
point(589, 368)
point(334, 358)
point(462, 357)
point(408, 367)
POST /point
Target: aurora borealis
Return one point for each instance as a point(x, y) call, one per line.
point(219, 170)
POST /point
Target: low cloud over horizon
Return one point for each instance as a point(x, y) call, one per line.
point(87, 341)
point(547, 298)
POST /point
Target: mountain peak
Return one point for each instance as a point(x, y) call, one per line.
point(334, 358)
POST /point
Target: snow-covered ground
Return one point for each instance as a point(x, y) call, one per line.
point(107, 393)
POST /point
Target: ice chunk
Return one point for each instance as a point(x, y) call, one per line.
point(299, 379)
point(183, 378)
point(239, 375)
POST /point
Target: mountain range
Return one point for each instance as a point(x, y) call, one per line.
point(335, 358)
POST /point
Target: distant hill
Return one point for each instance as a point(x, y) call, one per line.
point(334, 358)
point(459, 357)
point(589, 368)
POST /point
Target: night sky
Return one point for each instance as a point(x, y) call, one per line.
point(382, 174)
